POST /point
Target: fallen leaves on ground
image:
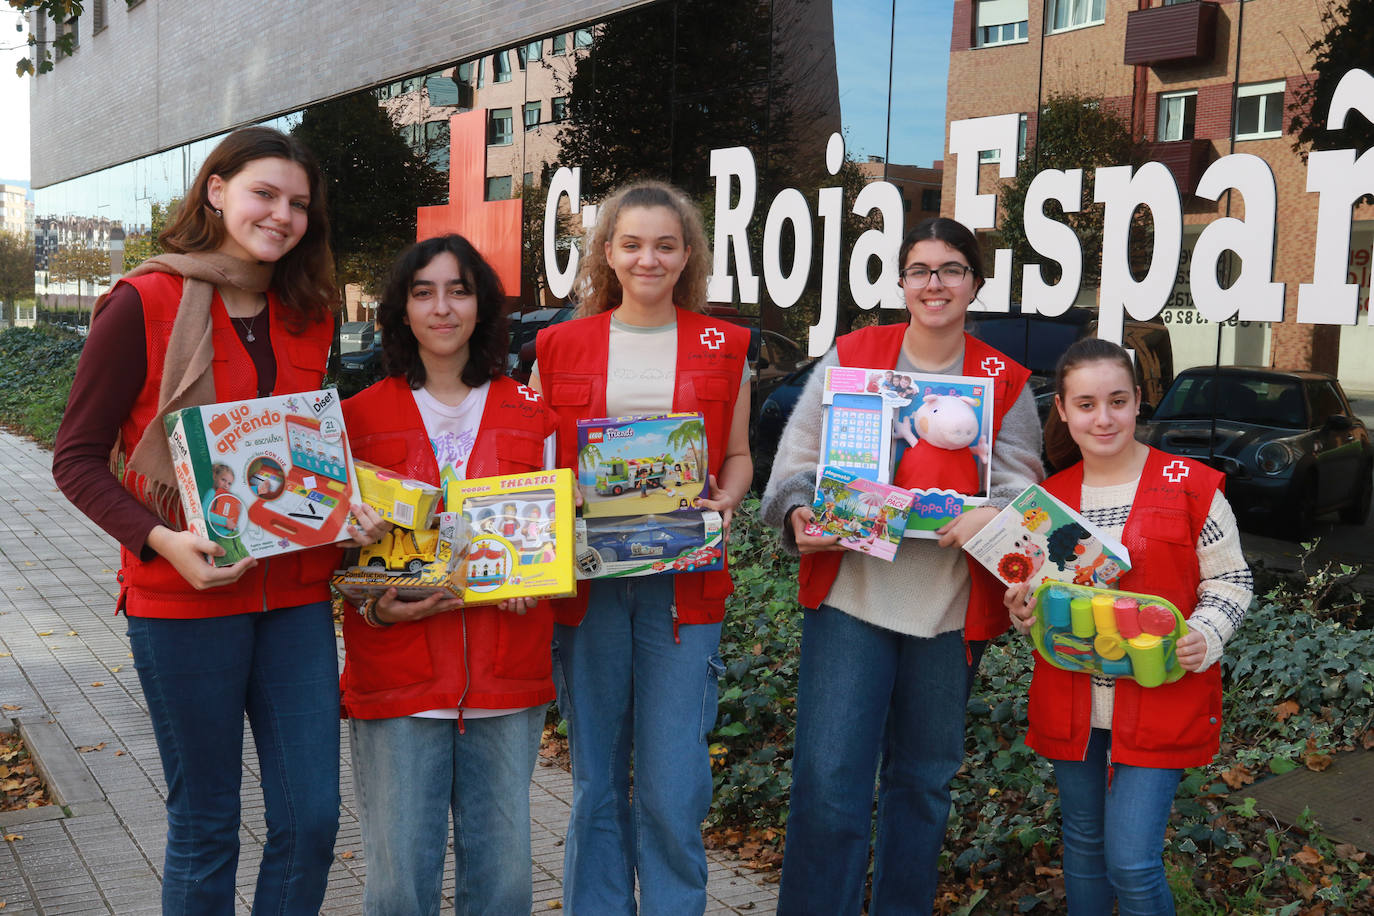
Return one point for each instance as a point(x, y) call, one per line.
point(20, 787)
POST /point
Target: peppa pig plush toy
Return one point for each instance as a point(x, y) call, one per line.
point(942, 457)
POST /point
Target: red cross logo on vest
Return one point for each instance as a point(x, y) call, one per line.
point(528, 394)
point(993, 366)
point(1175, 470)
point(713, 338)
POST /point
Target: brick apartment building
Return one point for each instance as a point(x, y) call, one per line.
point(1197, 80)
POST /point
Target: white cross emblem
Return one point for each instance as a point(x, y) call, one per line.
point(993, 366)
point(529, 394)
point(1175, 470)
point(713, 338)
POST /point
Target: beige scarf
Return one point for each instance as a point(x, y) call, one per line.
point(187, 379)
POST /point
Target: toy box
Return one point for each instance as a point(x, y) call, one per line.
point(415, 562)
point(522, 535)
point(869, 516)
point(1036, 537)
point(641, 465)
point(646, 545)
point(1106, 631)
point(399, 500)
point(264, 476)
point(872, 418)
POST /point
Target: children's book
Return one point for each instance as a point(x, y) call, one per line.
point(930, 434)
point(1038, 538)
point(264, 476)
point(868, 516)
point(641, 465)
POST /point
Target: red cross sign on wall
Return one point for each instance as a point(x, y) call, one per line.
point(492, 226)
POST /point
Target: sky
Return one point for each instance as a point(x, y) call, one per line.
point(14, 106)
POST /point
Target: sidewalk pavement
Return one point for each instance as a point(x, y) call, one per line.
point(64, 660)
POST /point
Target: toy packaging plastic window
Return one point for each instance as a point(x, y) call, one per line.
point(868, 516)
point(264, 476)
point(1107, 631)
point(644, 545)
point(928, 433)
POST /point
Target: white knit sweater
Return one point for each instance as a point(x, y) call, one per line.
point(924, 592)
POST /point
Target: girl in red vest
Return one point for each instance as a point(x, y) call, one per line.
point(636, 658)
point(1119, 749)
point(238, 308)
point(889, 649)
point(446, 704)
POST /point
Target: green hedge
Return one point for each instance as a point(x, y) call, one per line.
point(36, 370)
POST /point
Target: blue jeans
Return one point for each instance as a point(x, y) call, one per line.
point(409, 773)
point(199, 678)
point(867, 698)
point(1114, 835)
point(625, 685)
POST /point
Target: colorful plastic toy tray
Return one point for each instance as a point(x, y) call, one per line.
point(1108, 631)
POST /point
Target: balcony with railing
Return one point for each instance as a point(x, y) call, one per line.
point(1179, 33)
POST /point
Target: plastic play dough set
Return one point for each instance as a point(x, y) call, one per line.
point(1106, 631)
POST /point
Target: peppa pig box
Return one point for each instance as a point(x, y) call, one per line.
point(264, 476)
point(1037, 538)
point(931, 434)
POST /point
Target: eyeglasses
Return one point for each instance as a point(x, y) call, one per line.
point(918, 276)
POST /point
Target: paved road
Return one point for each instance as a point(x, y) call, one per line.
point(64, 659)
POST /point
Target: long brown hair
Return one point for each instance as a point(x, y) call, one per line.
point(1060, 448)
point(596, 282)
point(304, 277)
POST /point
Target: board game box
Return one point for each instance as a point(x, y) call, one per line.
point(1036, 537)
point(927, 433)
point(647, 465)
point(868, 516)
point(264, 476)
point(616, 547)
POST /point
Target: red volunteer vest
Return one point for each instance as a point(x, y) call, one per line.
point(711, 356)
point(153, 588)
point(479, 657)
point(1174, 725)
point(879, 346)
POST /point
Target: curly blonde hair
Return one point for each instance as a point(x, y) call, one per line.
point(596, 283)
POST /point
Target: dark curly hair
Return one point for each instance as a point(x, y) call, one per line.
point(490, 338)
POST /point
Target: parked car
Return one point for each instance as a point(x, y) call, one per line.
point(1291, 447)
point(523, 328)
point(356, 335)
point(360, 368)
point(772, 419)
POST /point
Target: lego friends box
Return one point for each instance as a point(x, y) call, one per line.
point(264, 476)
point(641, 465)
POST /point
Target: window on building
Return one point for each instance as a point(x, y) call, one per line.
point(499, 128)
point(498, 188)
point(930, 200)
point(436, 132)
point(532, 112)
point(1259, 110)
point(1074, 14)
point(481, 72)
point(534, 50)
point(70, 27)
point(560, 108)
point(500, 67)
point(1000, 22)
point(464, 72)
point(560, 43)
point(1177, 115)
point(582, 38)
point(97, 16)
point(995, 155)
point(528, 180)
